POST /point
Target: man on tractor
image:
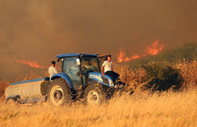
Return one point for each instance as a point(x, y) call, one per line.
point(88, 67)
point(107, 69)
point(52, 70)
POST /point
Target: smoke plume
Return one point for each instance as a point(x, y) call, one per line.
point(39, 30)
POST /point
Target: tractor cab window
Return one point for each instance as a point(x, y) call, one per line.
point(71, 68)
point(89, 64)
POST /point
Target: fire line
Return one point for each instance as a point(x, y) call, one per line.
point(152, 49)
point(32, 64)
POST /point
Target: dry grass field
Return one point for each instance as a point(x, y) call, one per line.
point(141, 109)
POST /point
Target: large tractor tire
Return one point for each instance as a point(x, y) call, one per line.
point(59, 92)
point(94, 94)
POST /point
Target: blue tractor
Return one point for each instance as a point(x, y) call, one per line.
point(80, 78)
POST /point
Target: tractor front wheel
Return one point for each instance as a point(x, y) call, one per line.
point(94, 94)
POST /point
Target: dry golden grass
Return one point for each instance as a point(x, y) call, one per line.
point(189, 73)
point(134, 78)
point(141, 109)
point(164, 109)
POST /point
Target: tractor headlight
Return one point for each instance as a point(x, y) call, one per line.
point(111, 83)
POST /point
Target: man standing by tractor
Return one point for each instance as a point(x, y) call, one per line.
point(107, 69)
point(52, 70)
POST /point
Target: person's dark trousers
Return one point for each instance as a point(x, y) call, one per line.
point(112, 74)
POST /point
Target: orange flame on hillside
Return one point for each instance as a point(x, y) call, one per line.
point(123, 58)
point(153, 49)
point(32, 64)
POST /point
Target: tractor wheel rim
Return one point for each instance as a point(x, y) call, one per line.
point(93, 97)
point(57, 95)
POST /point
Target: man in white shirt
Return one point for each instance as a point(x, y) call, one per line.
point(52, 70)
point(107, 69)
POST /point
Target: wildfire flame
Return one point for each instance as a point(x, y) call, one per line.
point(153, 49)
point(32, 64)
point(123, 58)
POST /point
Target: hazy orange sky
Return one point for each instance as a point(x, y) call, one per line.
point(38, 30)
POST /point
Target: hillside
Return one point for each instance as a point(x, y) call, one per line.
point(187, 52)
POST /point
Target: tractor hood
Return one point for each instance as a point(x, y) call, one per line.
point(105, 80)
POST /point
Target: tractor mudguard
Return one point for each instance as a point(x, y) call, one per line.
point(65, 77)
point(105, 80)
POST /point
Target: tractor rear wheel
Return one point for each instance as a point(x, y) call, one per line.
point(59, 92)
point(94, 94)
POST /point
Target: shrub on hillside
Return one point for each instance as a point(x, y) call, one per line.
point(162, 76)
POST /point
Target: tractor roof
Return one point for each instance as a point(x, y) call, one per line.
point(76, 55)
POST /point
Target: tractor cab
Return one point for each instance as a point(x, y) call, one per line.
point(78, 66)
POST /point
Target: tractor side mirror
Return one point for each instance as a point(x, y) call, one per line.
point(78, 62)
point(58, 60)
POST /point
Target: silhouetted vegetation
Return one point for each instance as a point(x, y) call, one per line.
point(162, 76)
point(187, 52)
